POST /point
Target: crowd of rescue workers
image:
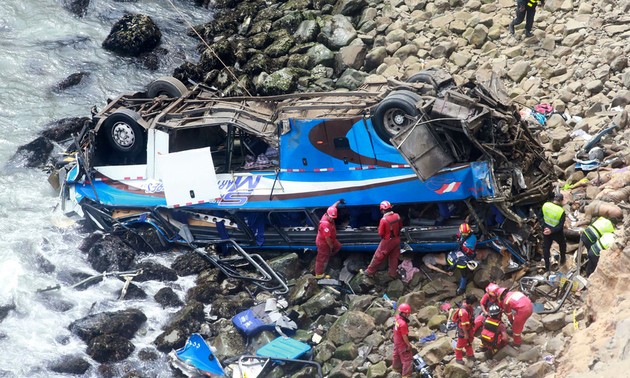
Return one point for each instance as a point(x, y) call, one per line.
point(496, 301)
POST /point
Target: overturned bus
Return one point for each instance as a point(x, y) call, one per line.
point(192, 166)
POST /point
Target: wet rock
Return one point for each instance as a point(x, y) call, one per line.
point(378, 370)
point(434, 352)
point(110, 348)
point(454, 370)
point(320, 55)
point(181, 325)
point(34, 154)
point(124, 323)
point(553, 322)
point(111, 254)
point(228, 306)
point(279, 82)
point(190, 263)
point(71, 81)
point(280, 46)
point(351, 79)
point(71, 364)
point(320, 302)
point(307, 31)
point(302, 290)
point(336, 31)
point(361, 302)
point(133, 35)
point(167, 298)
point(64, 128)
point(287, 265)
point(228, 342)
point(152, 271)
point(4, 311)
point(77, 7)
point(537, 370)
point(131, 292)
point(349, 7)
point(351, 326)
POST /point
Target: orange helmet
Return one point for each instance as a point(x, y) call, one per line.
point(492, 288)
point(332, 212)
point(385, 205)
point(404, 308)
point(464, 229)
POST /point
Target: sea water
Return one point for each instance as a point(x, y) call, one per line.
point(40, 45)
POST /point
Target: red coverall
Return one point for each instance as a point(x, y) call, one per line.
point(464, 328)
point(402, 355)
point(326, 229)
point(502, 330)
point(519, 308)
point(389, 230)
point(486, 301)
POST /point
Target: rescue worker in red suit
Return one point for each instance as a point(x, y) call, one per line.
point(518, 308)
point(465, 332)
point(326, 240)
point(403, 352)
point(493, 333)
point(389, 230)
point(489, 298)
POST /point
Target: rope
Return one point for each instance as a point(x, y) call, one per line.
point(183, 16)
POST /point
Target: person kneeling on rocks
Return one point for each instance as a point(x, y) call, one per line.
point(518, 308)
point(403, 351)
point(493, 331)
point(465, 336)
point(603, 243)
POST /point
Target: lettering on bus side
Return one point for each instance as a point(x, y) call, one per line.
point(237, 190)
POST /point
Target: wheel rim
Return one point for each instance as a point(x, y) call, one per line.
point(123, 135)
point(395, 120)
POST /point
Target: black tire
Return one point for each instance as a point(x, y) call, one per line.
point(423, 77)
point(390, 116)
point(166, 86)
point(123, 133)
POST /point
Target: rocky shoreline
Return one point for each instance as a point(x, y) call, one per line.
point(577, 61)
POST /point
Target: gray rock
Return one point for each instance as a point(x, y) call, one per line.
point(378, 370)
point(336, 31)
point(351, 79)
point(380, 314)
point(303, 289)
point(461, 59)
point(537, 370)
point(454, 370)
point(133, 35)
point(434, 352)
point(553, 322)
point(533, 325)
point(109, 348)
point(279, 82)
point(307, 31)
point(324, 351)
point(280, 46)
point(530, 355)
point(559, 137)
point(349, 7)
point(375, 58)
point(436, 321)
point(555, 345)
point(406, 51)
point(320, 55)
point(426, 313)
point(478, 36)
point(594, 86)
point(346, 352)
point(319, 303)
point(518, 71)
point(351, 326)
point(415, 299)
point(351, 56)
point(228, 342)
point(288, 265)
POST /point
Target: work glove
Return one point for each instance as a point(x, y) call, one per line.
point(342, 201)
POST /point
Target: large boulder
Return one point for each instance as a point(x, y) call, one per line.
point(182, 324)
point(152, 271)
point(434, 353)
point(35, 154)
point(124, 323)
point(110, 348)
point(351, 326)
point(336, 31)
point(133, 35)
point(280, 82)
point(111, 254)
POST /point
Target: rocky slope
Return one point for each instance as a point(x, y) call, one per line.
point(577, 61)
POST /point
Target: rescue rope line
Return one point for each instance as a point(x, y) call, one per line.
point(238, 83)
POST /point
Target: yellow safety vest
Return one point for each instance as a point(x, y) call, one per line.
point(605, 242)
point(531, 3)
point(603, 226)
point(552, 213)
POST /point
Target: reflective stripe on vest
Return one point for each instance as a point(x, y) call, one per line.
point(532, 3)
point(516, 295)
point(602, 226)
point(603, 243)
point(552, 214)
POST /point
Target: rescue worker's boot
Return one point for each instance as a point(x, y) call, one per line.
point(511, 27)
